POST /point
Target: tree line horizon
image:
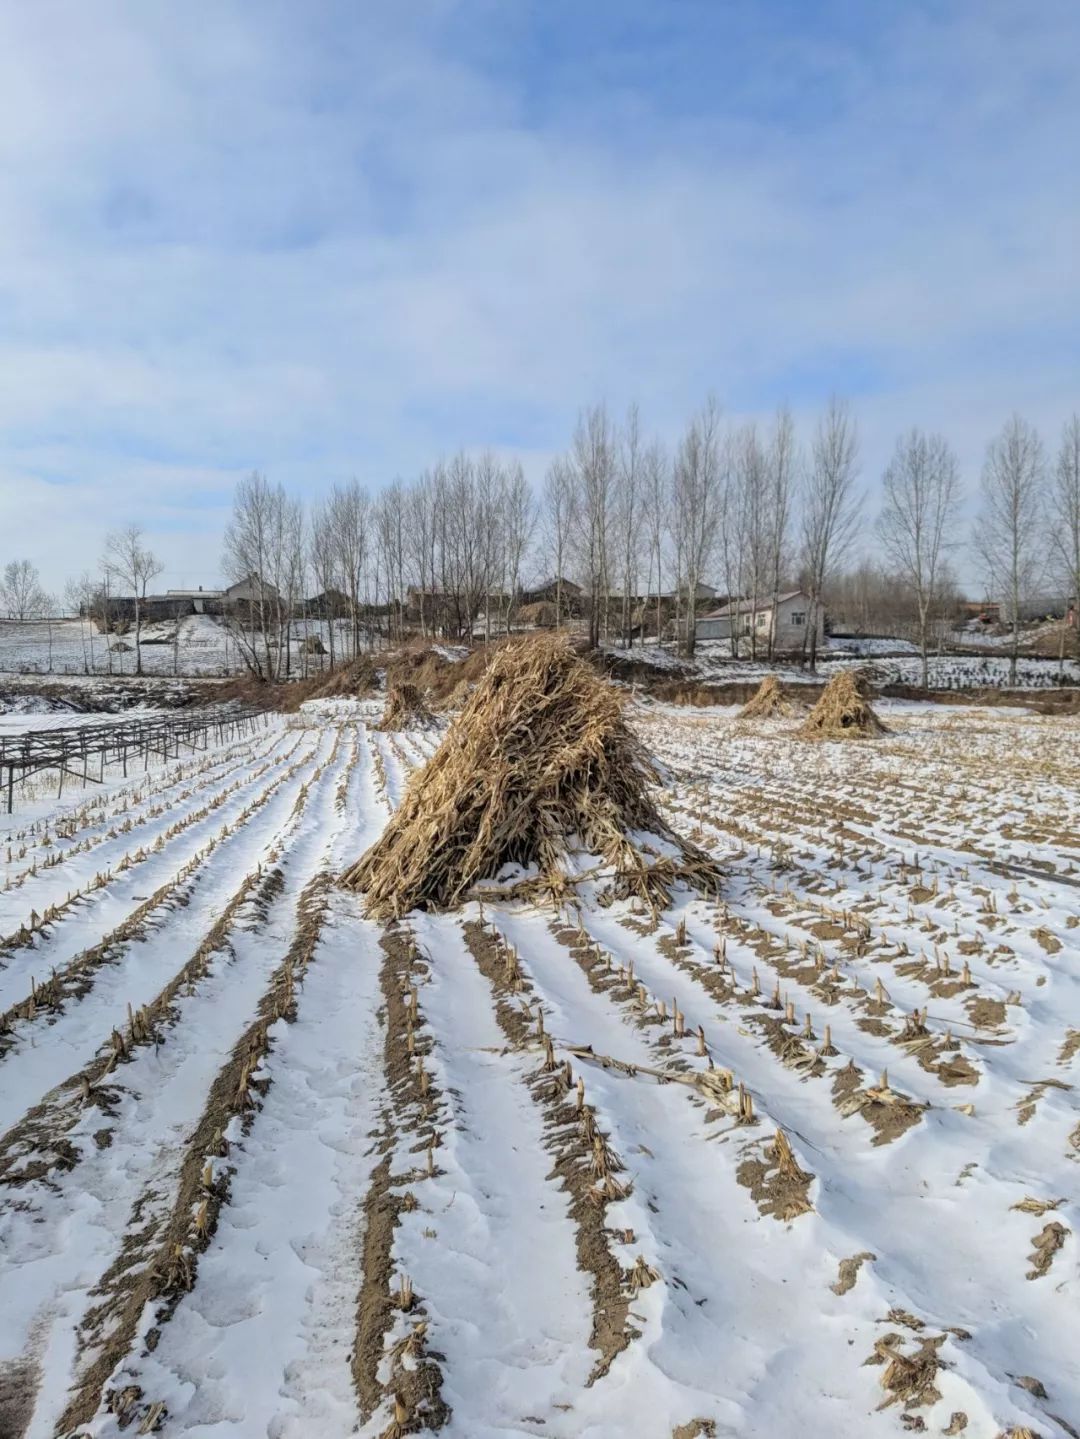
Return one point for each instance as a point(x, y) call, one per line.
point(751, 509)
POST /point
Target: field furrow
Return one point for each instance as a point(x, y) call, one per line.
point(127, 1148)
point(800, 1152)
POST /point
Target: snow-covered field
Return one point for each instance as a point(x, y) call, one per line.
point(200, 646)
point(269, 1168)
point(892, 662)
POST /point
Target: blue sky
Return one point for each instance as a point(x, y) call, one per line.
point(333, 239)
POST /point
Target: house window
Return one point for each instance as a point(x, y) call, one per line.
point(798, 617)
point(762, 619)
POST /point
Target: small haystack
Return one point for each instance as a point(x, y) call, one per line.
point(770, 702)
point(842, 712)
point(539, 767)
point(312, 645)
point(405, 708)
point(544, 614)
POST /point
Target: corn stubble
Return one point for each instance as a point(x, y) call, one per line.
point(539, 764)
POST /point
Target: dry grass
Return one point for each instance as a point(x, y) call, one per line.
point(908, 1379)
point(770, 702)
point(842, 712)
point(540, 764)
point(405, 708)
point(1045, 1245)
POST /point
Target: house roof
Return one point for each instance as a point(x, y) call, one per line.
point(551, 584)
point(745, 607)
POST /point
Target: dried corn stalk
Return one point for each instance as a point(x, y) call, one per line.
point(539, 765)
point(842, 712)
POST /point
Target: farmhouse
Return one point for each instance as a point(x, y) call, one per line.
point(786, 626)
point(548, 591)
point(193, 602)
point(331, 604)
point(702, 593)
point(251, 590)
point(175, 604)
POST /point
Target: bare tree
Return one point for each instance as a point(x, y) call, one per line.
point(918, 520)
point(753, 527)
point(290, 574)
point(830, 507)
point(518, 524)
point(629, 515)
point(390, 539)
point(133, 566)
point(421, 539)
point(1009, 529)
point(20, 591)
point(560, 521)
point(488, 485)
point(781, 474)
point(80, 594)
point(1065, 509)
point(323, 562)
point(251, 538)
point(697, 480)
point(594, 474)
point(657, 512)
point(350, 523)
point(729, 530)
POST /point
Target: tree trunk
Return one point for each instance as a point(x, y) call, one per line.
point(924, 646)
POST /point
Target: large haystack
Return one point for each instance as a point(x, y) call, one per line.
point(842, 712)
point(406, 708)
point(770, 702)
point(539, 768)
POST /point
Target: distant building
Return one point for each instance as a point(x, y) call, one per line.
point(329, 604)
point(787, 625)
point(549, 591)
point(702, 592)
point(251, 590)
point(201, 602)
point(176, 604)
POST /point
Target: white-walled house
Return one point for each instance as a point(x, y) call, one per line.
point(788, 626)
point(251, 590)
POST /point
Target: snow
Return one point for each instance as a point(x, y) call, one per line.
point(894, 662)
point(868, 646)
point(197, 645)
point(955, 837)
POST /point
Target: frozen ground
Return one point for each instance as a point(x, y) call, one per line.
point(890, 663)
point(270, 1169)
point(201, 646)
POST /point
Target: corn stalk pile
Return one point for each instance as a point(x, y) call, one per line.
point(842, 712)
point(405, 708)
point(539, 765)
point(769, 702)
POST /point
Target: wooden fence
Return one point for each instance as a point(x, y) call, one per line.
point(83, 751)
